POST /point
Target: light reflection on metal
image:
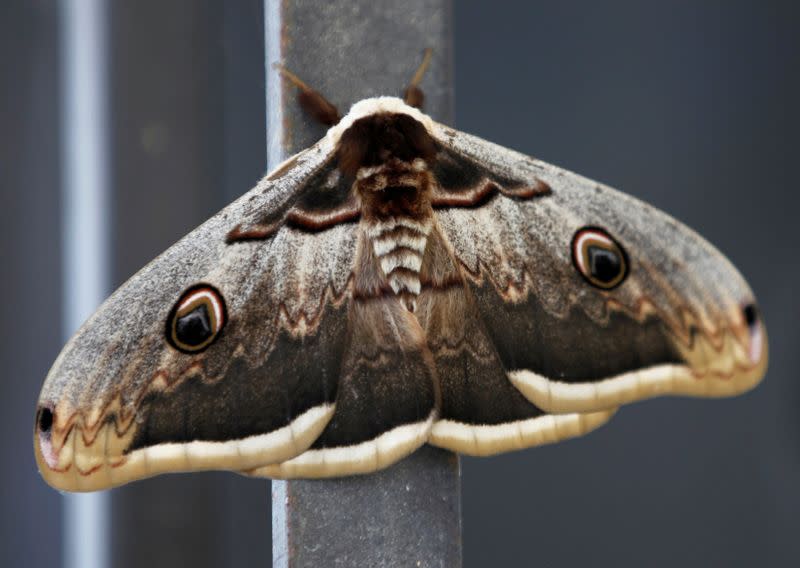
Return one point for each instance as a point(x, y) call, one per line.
point(85, 241)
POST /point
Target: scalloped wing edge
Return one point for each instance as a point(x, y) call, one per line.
point(94, 472)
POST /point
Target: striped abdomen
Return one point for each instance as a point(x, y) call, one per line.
point(399, 245)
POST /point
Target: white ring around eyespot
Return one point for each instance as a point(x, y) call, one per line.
point(756, 341)
point(584, 235)
point(215, 304)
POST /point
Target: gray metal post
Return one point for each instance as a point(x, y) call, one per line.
point(84, 26)
point(410, 514)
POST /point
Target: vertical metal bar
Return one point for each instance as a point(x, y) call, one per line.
point(85, 224)
point(410, 514)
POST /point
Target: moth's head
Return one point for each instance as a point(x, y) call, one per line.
point(382, 132)
point(384, 140)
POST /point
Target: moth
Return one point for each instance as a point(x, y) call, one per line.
point(398, 283)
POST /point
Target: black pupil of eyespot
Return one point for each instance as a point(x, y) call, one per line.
point(45, 420)
point(604, 264)
point(750, 315)
point(195, 327)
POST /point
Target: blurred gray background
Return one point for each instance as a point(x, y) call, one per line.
point(692, 106)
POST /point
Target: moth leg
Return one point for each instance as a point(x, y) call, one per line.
point(312, 102)
point(413, 95)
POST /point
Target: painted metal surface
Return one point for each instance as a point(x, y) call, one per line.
point(86, 256)
point(410, 514)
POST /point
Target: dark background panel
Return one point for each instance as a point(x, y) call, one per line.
point(692, 107)
point(688, 105)
point(30, 273)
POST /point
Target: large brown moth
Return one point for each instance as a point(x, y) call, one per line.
point(398, 283)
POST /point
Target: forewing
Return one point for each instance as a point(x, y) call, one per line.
point(323, 199)
point(678, 324)
point(122, 403)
